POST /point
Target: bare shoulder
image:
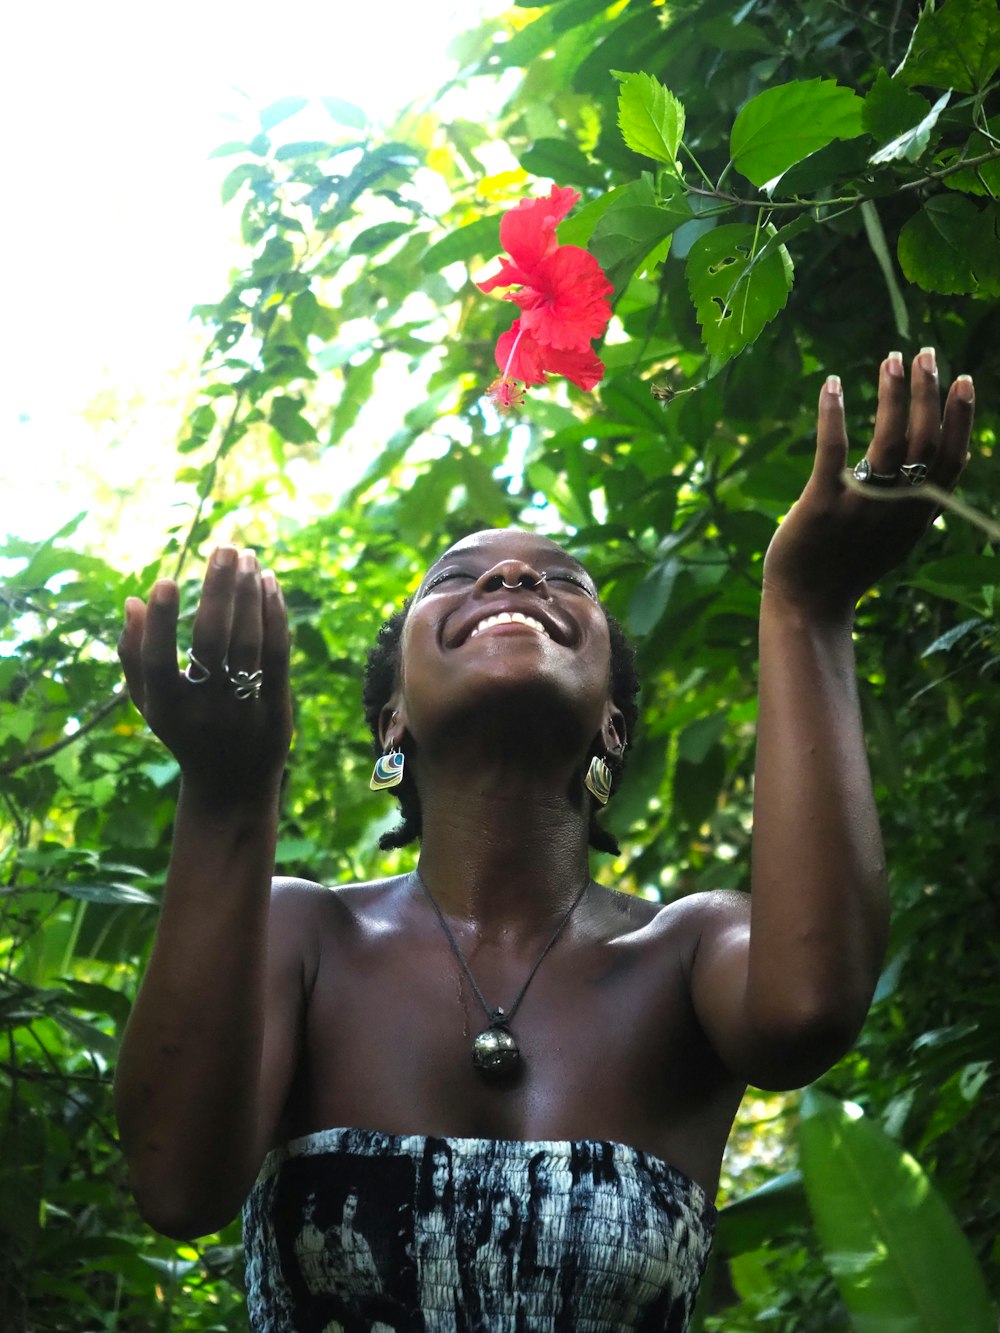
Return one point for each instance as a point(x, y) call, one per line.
point(713, 912)
point(303, 904)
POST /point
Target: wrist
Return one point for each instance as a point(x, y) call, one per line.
point(215, 800)
point(808, 609)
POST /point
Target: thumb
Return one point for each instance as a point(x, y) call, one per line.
point(831, 433)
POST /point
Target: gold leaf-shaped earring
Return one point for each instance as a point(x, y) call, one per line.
point(388, 770)
point(598, 780)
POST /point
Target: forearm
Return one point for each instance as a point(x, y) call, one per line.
point(819, 906)
point(187, 1078)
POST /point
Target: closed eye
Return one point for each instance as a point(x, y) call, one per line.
point(562, 576)
point(444, 576)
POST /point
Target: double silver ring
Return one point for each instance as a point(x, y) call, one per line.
point(246, 684)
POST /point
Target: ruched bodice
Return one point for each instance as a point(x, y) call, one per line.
point(349, 1229)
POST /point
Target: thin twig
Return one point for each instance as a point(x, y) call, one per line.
point(929, 492)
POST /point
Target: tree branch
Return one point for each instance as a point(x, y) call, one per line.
point(31, 757)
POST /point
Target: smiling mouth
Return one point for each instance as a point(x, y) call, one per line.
point(509, 618)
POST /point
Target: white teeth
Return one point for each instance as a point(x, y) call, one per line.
point(507, 618)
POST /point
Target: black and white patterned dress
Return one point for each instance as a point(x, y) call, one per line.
point(351, 1230)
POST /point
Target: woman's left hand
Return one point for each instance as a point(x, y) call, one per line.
point(835, 543)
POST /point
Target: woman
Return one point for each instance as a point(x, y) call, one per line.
point(269, 1016)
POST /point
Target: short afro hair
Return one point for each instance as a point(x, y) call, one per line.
point(382, 674)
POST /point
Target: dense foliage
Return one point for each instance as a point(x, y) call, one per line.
point(777, 191)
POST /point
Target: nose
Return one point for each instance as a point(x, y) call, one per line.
point(510, 575)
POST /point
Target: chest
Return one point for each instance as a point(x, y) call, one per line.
point(602, 1029)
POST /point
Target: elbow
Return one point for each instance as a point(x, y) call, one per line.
point(795, 1047)
point(181, 1220)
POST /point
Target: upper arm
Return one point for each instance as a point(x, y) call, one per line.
point(293, 946)
point(782, 1054)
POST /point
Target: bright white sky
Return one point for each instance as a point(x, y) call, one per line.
point(112, 224)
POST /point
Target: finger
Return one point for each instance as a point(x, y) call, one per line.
point(887, 452)
point(956, 431)
point(924, 430)
point(831, 433)
point(274, 650)
point(247, 627)
point(158, 653)
point(130, 649)
point(214, 617)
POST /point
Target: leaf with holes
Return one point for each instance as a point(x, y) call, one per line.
point(735, 294)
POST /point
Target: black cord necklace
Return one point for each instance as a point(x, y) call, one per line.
point(495, 1053)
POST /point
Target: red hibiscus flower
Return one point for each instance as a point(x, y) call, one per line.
point(562, 299)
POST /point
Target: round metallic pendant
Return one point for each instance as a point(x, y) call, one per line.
point(495, 1053)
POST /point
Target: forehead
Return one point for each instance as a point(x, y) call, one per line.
point(495, 544)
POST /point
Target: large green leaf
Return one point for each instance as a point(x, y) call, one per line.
point(650, 117)
point(734, 296)
point(896, 1251)
point(951, 246)
point(783, 125)
point(956, 46)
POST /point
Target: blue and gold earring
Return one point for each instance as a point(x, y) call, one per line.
point(388, 770)
point(598, 780)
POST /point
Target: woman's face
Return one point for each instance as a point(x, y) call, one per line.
point(471, 643)
point(440, 1173)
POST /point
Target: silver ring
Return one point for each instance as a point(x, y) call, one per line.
point(515, 587)
point(865, 472)
point(246, 684)
point(196, 672)
point(915, 474)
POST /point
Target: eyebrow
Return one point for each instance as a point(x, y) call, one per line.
point(561, 557)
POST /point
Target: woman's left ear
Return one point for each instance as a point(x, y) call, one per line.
point(391, 725)
point(613, 737)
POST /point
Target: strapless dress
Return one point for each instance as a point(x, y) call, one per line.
point(350, 1229)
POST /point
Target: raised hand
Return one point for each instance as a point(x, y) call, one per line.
point(835, 542)
point(228, 727)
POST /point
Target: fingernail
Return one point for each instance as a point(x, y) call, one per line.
point(834, 386)
point(268, 582)
point(928, 360)
point(965, 389)
point(248, 561)
point(161, 592)
point(895, 363)
point(224, 556)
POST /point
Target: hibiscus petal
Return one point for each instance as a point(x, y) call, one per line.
point(509, 276)
point(528, 232)
point(572, 309)
point(531, 360)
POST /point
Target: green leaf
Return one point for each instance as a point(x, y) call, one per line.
point(246, 171)
point(289, 422)
point(478, 239)
point(911, 144)
point(109, 892)
point(891, 108)
point(783, 125)
point(650, 117)
point(899, 1257)
point(632, 227)
point(880, 249)
point(378, 237)
point(952, 246)
point(652, 597)
point(281, 110)
point(345, 113)
point(760, 1216)
point(956, 45)
point(734, 297)
point(562, 161)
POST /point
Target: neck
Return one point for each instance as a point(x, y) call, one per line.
point(503, 849)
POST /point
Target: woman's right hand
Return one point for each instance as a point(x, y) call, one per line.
point(231, 750)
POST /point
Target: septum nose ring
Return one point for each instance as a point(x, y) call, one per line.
point(512, 587)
